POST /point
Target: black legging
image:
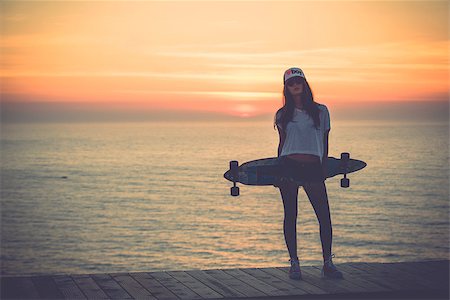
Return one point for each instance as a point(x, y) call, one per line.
point(317, 195)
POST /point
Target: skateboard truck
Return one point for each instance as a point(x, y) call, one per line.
point(345, 157)
point(234, 169)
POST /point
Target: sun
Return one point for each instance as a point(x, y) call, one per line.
point(244, 110)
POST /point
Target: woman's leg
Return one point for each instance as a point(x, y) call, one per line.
point(289, 194)
point(317, 194)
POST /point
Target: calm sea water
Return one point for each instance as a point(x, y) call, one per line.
point(84, 198)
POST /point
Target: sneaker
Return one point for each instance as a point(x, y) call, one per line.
point(295, 272)
point(329, 270)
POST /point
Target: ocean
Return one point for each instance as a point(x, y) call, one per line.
point(129, 197)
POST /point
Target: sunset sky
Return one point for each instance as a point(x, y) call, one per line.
point(219, 57)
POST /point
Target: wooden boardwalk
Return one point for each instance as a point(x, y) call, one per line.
point(407, 280)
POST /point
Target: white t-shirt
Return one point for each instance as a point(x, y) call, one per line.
point(302, 137)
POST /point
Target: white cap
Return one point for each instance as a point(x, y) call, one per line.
point(293, 72)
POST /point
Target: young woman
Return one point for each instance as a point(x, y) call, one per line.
point(304, 126)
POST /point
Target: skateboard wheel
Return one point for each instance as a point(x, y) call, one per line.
point(235, 191)
point(345, 182)
point(345, 156)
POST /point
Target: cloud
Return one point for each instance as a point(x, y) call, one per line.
point(356, 57)
point(229, 95)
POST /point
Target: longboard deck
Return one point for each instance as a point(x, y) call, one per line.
point(266, 171)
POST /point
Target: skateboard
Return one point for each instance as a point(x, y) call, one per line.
point(266, 171)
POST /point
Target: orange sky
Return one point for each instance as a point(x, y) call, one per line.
point(226, 57)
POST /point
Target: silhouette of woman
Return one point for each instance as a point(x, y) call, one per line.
point(303, 126)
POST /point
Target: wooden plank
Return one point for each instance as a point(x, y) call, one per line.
point(416, 278)
point(397, 278)
point(154, 286)
point(413, 279)
point(176, 287)
point(433, 265)
point(329, 286)
point(18, 288)
point(68, 287)
point(134, 288)
point(429, 266)
point(281, 285)
point(255, 282)
point(371, 277)
point(396, 284)
point(110, 286)
point(412, 287)
point(213, 283)
point(195, 285)
point(435, 270)
point(437, 274)
point(235, 283)
point(415, 269)
point(343, 282)
point(89, 287)
point(369, 286)
point(46, 287)
point(301, 284)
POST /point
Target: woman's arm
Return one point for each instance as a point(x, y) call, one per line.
point(325, 152)
point(282, 135)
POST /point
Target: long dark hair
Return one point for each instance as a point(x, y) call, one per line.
point(287, 111)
